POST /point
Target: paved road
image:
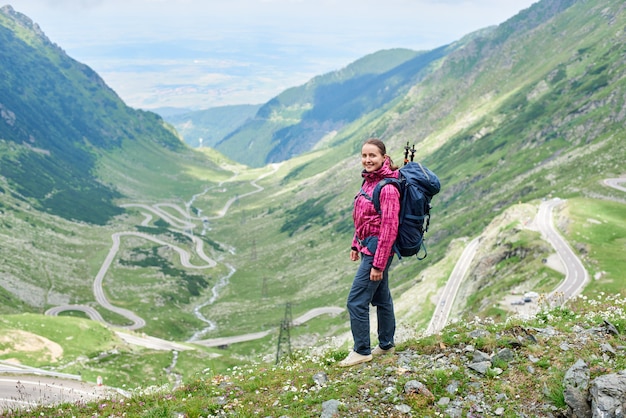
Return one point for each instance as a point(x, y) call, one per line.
point(216, 342)
point(316, 312)
point(152, 342)
point(446, 301)
point(576, 275)
point(21, 390)
point(616, 183)
point(98, 290)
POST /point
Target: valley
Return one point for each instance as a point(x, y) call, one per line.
point(572, 284)
point(129, 258)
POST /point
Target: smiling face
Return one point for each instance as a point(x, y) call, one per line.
point(371, 157)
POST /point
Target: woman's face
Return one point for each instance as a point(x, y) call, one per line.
point(371, 158)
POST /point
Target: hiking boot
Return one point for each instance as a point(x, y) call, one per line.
point(354, 358)
point(380, 352)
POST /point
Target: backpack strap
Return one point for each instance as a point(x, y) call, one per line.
point(425, 252)
point(376, 193)
point(364, 194)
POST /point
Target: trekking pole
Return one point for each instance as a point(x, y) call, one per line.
point(406, 153)
point(412, 152)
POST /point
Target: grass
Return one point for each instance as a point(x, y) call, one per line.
point(281, 255)
point(261, 389)
point(77, 336)
point(597, 231)
point(263, 254)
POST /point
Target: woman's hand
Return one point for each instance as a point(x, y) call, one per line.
point(376, 275)
point(354, 255)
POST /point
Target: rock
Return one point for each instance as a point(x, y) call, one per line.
point(480, 367)
point(501, 397)
point(575, 389)
point(497, 371)
point(320, 378)
point(391, 390)
point(577, 376)
point(506, 355)
point(405, 409)
point(413, 386)
point(478, 333)
point(608, 348)
point(480, 356)
point(453, 387)
point(610, 328)
point(330, 408)
point(454, 412)
point(608, 395)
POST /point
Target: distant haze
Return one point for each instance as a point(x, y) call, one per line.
point(199, 54)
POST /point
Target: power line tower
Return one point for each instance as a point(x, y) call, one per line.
point(284, 339)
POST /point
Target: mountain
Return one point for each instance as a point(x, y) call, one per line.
point(529, 110)
point(297, 119)
point(207, 127)
point(58, 118)
point(71, 152)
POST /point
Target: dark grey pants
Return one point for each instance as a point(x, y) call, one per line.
point(363, 293)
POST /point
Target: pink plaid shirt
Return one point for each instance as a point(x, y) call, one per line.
point(367, 222)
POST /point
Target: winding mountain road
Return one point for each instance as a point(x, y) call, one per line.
point(53, 392)
point(576, 275)
point(185, 225)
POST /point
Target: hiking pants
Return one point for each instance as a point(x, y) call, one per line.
point(363, 293)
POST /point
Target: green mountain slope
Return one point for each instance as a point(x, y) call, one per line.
point(297, 119)
point(70, 152)
point(58, 121)
point(531, 109)
point(207, 127)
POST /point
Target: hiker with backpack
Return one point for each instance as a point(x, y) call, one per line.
point(387, 221)
point(375, 235)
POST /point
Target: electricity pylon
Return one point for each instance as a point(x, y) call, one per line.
point(284, 338)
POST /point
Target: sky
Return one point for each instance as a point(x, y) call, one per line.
point(198, 54)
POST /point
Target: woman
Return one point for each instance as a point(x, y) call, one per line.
point(373, 241)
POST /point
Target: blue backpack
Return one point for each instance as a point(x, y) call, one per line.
point(417, 186)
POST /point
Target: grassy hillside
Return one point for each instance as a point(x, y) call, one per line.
point(524, 374)
point(70, 152)
point(59, 123)
point(297, 119)
point(499, 128)
point(512, 116)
